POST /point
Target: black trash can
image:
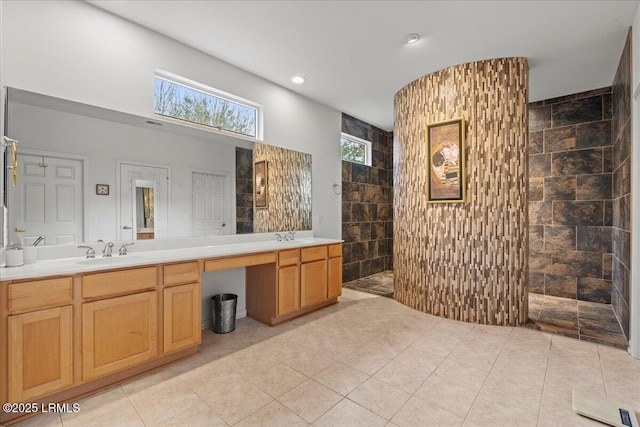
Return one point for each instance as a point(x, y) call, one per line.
point(223, 312)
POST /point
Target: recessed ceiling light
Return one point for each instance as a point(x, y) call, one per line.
point(411, 38)
point(298, 80)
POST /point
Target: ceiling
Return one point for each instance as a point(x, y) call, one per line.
point(353, 54)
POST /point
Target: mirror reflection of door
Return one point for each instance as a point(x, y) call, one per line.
point(47, 200)
point(145, 209)
point(211, 207)
point(134, 178)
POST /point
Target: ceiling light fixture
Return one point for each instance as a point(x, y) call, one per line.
point(411, 38)
point(298, 80)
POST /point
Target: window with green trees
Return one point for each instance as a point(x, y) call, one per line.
point(207, 108)
point(356, 150)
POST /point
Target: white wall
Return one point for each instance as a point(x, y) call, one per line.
point(75, 51)
point(634, 341)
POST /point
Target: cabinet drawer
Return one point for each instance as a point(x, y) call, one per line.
point(39, 293)
point(335, 250)
point(289, 257)
point(177, 274)
point(117, 282)
point(314, 253)
point(240, 261)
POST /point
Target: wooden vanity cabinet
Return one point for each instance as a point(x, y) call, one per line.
point(334, 284)
point(313, 269)
point(182, 306)
point(288, 299)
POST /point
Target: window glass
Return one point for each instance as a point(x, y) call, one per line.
point(355, 149)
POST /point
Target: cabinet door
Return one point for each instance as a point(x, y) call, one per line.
point(335, 277)
point(288, 289)
point(313, 283)
point(40, 353)
point(118, 333)
point(182, 311)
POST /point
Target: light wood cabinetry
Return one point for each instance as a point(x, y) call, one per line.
point(288, 289)
point(182, 317)
point(313, 289)
point(40, 353)
point(334, 283)
point(118, 333)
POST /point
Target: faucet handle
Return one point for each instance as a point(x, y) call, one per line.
point(106, 252)
point(123, 248)
point(279, 237)
point(293, 235)
point(91, 253)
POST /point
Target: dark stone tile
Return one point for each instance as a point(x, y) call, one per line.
point(594, 92)
point(539, 165)
point(244, 228)
point(608, 213)
point(577, 264)
point(346, 253)
point(621, 280)
point(377, 265)
point(539, 261)
point(577, 162)
point(594, 290)
point(350, 271)
point(540, 213)
point(594, 187)
point(346, 212)
point(622, 246)
point(578, 213)
point(578, 111)
point(622, 179)
point(375, 194)
point(607, 266)
point(536, 103)
point(382, 248)
point(379, 140)
point(350, 232)
point(536, 283)
point(536, 237)
point(607, 159)
point(560, 188)
point(353, 192)
point(611, 341)
point(560, 238)
point(594, 239)
point(355, 127)
point(385, 212)
point(365, 231)
point(596, 134)
point(607, 109)
point(559, 99)
point(378, 159)
point(346, 171)
point(371, 212)
point(536, 142)
point(560, 286)
point(360, 173)
point(622, 213)
point(560, 139)
point(622, 145)
point(360, 251)
point(536, 189)
point(622, 312)
point(365, 268)
point(539, 118)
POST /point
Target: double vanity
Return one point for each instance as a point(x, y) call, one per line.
point(72, 326)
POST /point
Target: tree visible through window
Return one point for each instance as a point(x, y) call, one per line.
point(184, 103)
point(355, 149)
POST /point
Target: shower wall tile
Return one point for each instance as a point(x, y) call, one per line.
point(595, 290)
point(594, 187)
point(578, 213)
point(579, 162)
point(561, 286)
point(559, 188)
point(559, 238)
point(578, 111)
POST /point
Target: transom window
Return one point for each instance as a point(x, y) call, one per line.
point(192, 102)
point(354, 149)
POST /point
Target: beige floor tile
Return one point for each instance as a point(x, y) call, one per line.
point(418, 413)
point(349, 414)
point(310, 400)
point(238, 402)
point(306, 361)
point(200, 415)
point(274, 414)
point(156, 403)
point(365, 360)
point(465, 376)
point(497, 409)
point(401, 376)
point(447, 395)
point(379, 397)
point(49, 419)
point(165, 377)
point(93, 407)
point(475, 354)
point(422, 361)
point(341, 378)
point(123, 416)
point(275, 380)
point(211, 380)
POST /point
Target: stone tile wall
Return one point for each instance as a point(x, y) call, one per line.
point(621, 231)
point(367, 204)
point(570, 196)
point(244, 190)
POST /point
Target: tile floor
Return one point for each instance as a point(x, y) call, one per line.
point(377, 284)
point(368, 361)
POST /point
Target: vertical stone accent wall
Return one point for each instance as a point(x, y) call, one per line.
point(244, 190)
point(367, 193)
point(621, 232)
point(466, 261)
point(570, 184)
point(288, 190)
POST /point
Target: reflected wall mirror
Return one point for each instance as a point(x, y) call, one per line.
point(166, 179)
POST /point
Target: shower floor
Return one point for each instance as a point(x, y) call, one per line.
point(582, 320)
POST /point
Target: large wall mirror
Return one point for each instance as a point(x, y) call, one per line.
point(86, 174)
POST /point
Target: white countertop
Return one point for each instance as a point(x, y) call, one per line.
point(82, 264)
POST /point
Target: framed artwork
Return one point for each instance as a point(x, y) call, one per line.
point(102, 189)
point(260, 184)
point(445, 161)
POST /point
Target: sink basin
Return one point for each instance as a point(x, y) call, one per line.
point(114, 260)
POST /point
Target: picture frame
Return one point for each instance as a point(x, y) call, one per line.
point(260, 184)
point(445, 149)
point(102, 189)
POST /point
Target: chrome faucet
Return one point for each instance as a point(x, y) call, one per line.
point(123, 248)
point(292, 235)
point(91, 253)
point(279, 237)
point(106, 252)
